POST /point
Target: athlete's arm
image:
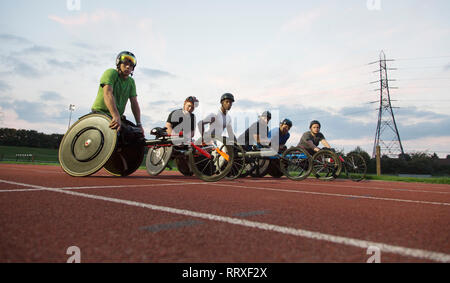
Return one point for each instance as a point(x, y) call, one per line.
point(108, 97)
point(136, 112)
point(325, 143)
point(169, 128)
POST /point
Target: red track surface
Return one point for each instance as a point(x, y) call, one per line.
point(172, 218)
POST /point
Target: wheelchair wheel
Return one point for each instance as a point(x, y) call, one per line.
point(355, 167)
point(217, 165)
point(274, 169)
point(326, 165)
point(157, 159)
point(295, 163)
point(238, 163)
point(260, 168)
point(87, 145)
point(182, 164)
point(125, 160)
point(129, 153)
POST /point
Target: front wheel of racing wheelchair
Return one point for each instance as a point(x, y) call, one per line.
point(90, 145)
point(212, 160)
point(296, 163)
point(326, 164)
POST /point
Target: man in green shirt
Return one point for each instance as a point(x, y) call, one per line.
point(117, 87)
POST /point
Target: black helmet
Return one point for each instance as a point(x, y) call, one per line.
point(227, 96)
point(267, 114)
point(126, 55)
point(313, 122)
point(193, 100)
point(287, 122)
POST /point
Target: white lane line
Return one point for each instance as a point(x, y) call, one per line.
point(37, 171)
point(380, 188)
point(364, 188)
point(20, 190)
point(238, 186)
point(331, 194)
point(101, 187)
point(128, 186)
point(404, 251)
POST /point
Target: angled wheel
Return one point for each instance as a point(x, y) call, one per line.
point(87, 145)
point(130, 151)
point(182, 164)
point(355, 167)
point(274, 169)
point(260, 168)
point(238, 163)
point(157, 159)
point(296, 163)
point(213, 161)
point(326, 165)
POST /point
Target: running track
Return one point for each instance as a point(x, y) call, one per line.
point(172, 218)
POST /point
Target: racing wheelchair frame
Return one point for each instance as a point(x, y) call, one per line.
point(294, 163)
point(90, 145)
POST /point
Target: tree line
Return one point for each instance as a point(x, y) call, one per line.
point(29, 138)
point(409, 163)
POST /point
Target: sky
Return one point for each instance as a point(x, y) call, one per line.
point(302, 60)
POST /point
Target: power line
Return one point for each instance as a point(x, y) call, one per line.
point(423, 58)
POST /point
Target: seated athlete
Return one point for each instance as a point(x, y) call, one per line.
point(218, 121)
point(257, 133)
point(311, 139)
point(115, 89)
point(183, 120)
point(281, 135)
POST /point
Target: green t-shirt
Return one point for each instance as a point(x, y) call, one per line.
point(123, 89)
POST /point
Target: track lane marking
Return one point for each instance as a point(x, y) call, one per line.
point(331, 194)
point(368, 188)
point(404, 251)
point(98, 187)
point(240, 186)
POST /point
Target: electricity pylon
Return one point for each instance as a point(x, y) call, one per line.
point(386, 136)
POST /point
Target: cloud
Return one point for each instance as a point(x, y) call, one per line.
point(25, 70)
point(82, 45)
point(14, 39)
point(61, 64)
point(301, 22)
point(86, 18)
point(447, 67)
point(36, 49)
point(4, 86)
point(155, 73)
point(50, 96)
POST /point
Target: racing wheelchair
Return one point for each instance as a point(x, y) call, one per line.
point(294, 163)
point(90, 145)
point(328, 165)
point(211, 160)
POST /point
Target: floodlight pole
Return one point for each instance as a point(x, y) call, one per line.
point(71, 109)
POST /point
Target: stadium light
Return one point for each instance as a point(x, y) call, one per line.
point(71, 109)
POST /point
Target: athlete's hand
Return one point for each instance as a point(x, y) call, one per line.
point(115, 123)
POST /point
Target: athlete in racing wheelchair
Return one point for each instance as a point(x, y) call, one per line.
point(181, 124)
point(209, 158)
point(274, 158)
point(105, 138)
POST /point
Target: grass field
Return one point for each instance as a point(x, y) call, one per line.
point(27, 154)
point(44, 156)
